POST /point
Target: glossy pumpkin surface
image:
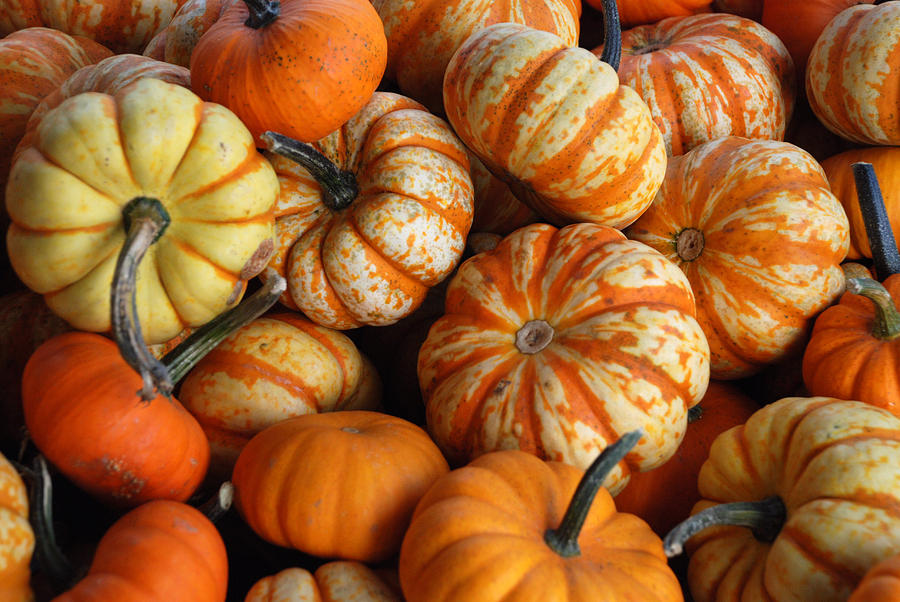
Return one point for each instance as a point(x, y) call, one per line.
point(641, 12)
point(754, 226)
point(559, 341)
point(94, 154)
point(338, 581)
point(16, 536)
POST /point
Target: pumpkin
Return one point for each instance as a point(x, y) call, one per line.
point(175, 42)
point(641, 12)
point(851, 74)
point(277, 367)
point(96, 162)
point(556, 343)
point(813, 484)
point(291, 498)
point(665, 495)
point(371, 216)
point(422, 36)
point(500, 529)
point(709, 76)
point(880, 584)
point(120, 26)
point(295, 67)
point(17, 542)
point(554, 123)
point(161, 551)
point(754, 226)
point(337, 581)
point(496, 208)
point(751, 9)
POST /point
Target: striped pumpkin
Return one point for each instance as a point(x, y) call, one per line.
point(853, 74)
point(756, 229)
point(555, 124)
point(708, 76)
point(16, 536)
point(559, 341)
point(174, 43)
point(496, 208)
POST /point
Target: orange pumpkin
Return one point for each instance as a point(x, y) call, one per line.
point(641, 12)
point(752, 9)
point(338, 581)
point(880, 584)
point(291, 497)
point(295, 67)
point(759, 235)
point(556, 343)
point(17, 541)
point(175, 42)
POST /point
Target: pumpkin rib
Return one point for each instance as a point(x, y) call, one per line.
point(814, 555)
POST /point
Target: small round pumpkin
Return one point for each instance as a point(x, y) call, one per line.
point(175, 42)
point(17, 541)
point(642, 12)
point(338, 581)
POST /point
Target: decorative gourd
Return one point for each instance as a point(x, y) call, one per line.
point(641, 12)
point(291, 497)
point(813, 484)
point(338, 581)
point(277, 367)
point(709, 76)
point(121, 26)
point(499, 529)
point(496, 207)
point(422, 36)
point(296, 67)
point(559, 341)
point(371, 216)
point(175, 42)
point(97, 161)
point(161, 551)
point(759, 235)
point(554, 124)
point(17, 540)
point(852, 74)
point(880, 584)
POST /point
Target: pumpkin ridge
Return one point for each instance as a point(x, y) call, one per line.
point(794, 537)
point(54, 230)
point(113, 253)
point(249, 165)
point(849, 440)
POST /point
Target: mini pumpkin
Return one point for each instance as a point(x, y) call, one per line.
point(17, 542)
point(175, 42)
point(338, 581)
point(880, 584)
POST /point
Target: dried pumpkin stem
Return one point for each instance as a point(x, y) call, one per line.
point(145, 221)
point(534, 336)
point(887, 318)
point(339, 187)
point(48, 555)
point(875, 218)
point(564, 539)
point(612, 35)
point(689, 244)
point(185, 356)
point(695, 413)
point(262, 12)
point(765, 518)
point(218, 505)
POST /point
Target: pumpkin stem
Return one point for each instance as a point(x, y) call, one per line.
point(564, 539)
point(612, 35)
point(695, 413)
point(875, 218)
point(887, 318)
point(185, 356)
point(218, 505)
point(339, 187)
point(145, 221)
point(262, 12)
point(47, 553)
point(765, 518)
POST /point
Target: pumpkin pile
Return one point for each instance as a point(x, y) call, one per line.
point(469, 300)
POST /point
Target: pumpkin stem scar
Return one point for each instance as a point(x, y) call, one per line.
point(612, 37)
point(875, 218)
point(689, 244)
point(145, 219)
point(185, 356)
point(534, 336)
point(49, 557)
point(218, 505)
point(887, 318)
point(765, 518)
point(339, 187)
point(564, 539)
point(262, 12)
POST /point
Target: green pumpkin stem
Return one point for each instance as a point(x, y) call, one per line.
point(185, 356)
point(218, 505)
point(887, 318)
point(50, 558)
point(262, 12)
point(564, 539)
point(339, 187)
point(765, 518)
point(145, 221)
point(612, 35)
point(875, 218)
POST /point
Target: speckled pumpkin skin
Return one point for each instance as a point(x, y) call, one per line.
point(16, 536)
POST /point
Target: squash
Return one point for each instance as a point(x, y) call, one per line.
point(17, 542)
point(496, 208)
point(559, 341)
point(337, 581)
point(642, 12)
point(754, 226)
point(295, 67)
point(175, 42)
point(880, 584)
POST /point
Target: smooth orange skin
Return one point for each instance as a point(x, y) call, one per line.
point(478, 535)
point(336, 485)
point(641, 12)
point(302, 75)
point(84, 414)
point(880, 584)
point(752, 9)
point(161, 551)
point(338, 581)
point(844, 360)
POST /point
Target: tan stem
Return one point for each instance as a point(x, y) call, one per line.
point(534, 336)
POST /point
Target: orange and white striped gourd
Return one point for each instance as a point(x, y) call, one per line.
point(16, 536)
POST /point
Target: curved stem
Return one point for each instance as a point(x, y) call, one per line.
point(262, 12)
point(887, 318)
point(339, 187)
point(765, 518)
point(695, 413)
point(48, 555)
point(185, 356)
point(145, 220)
point(564, 539)
point(218, 505)
point(878, 227)
point(612, 35)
